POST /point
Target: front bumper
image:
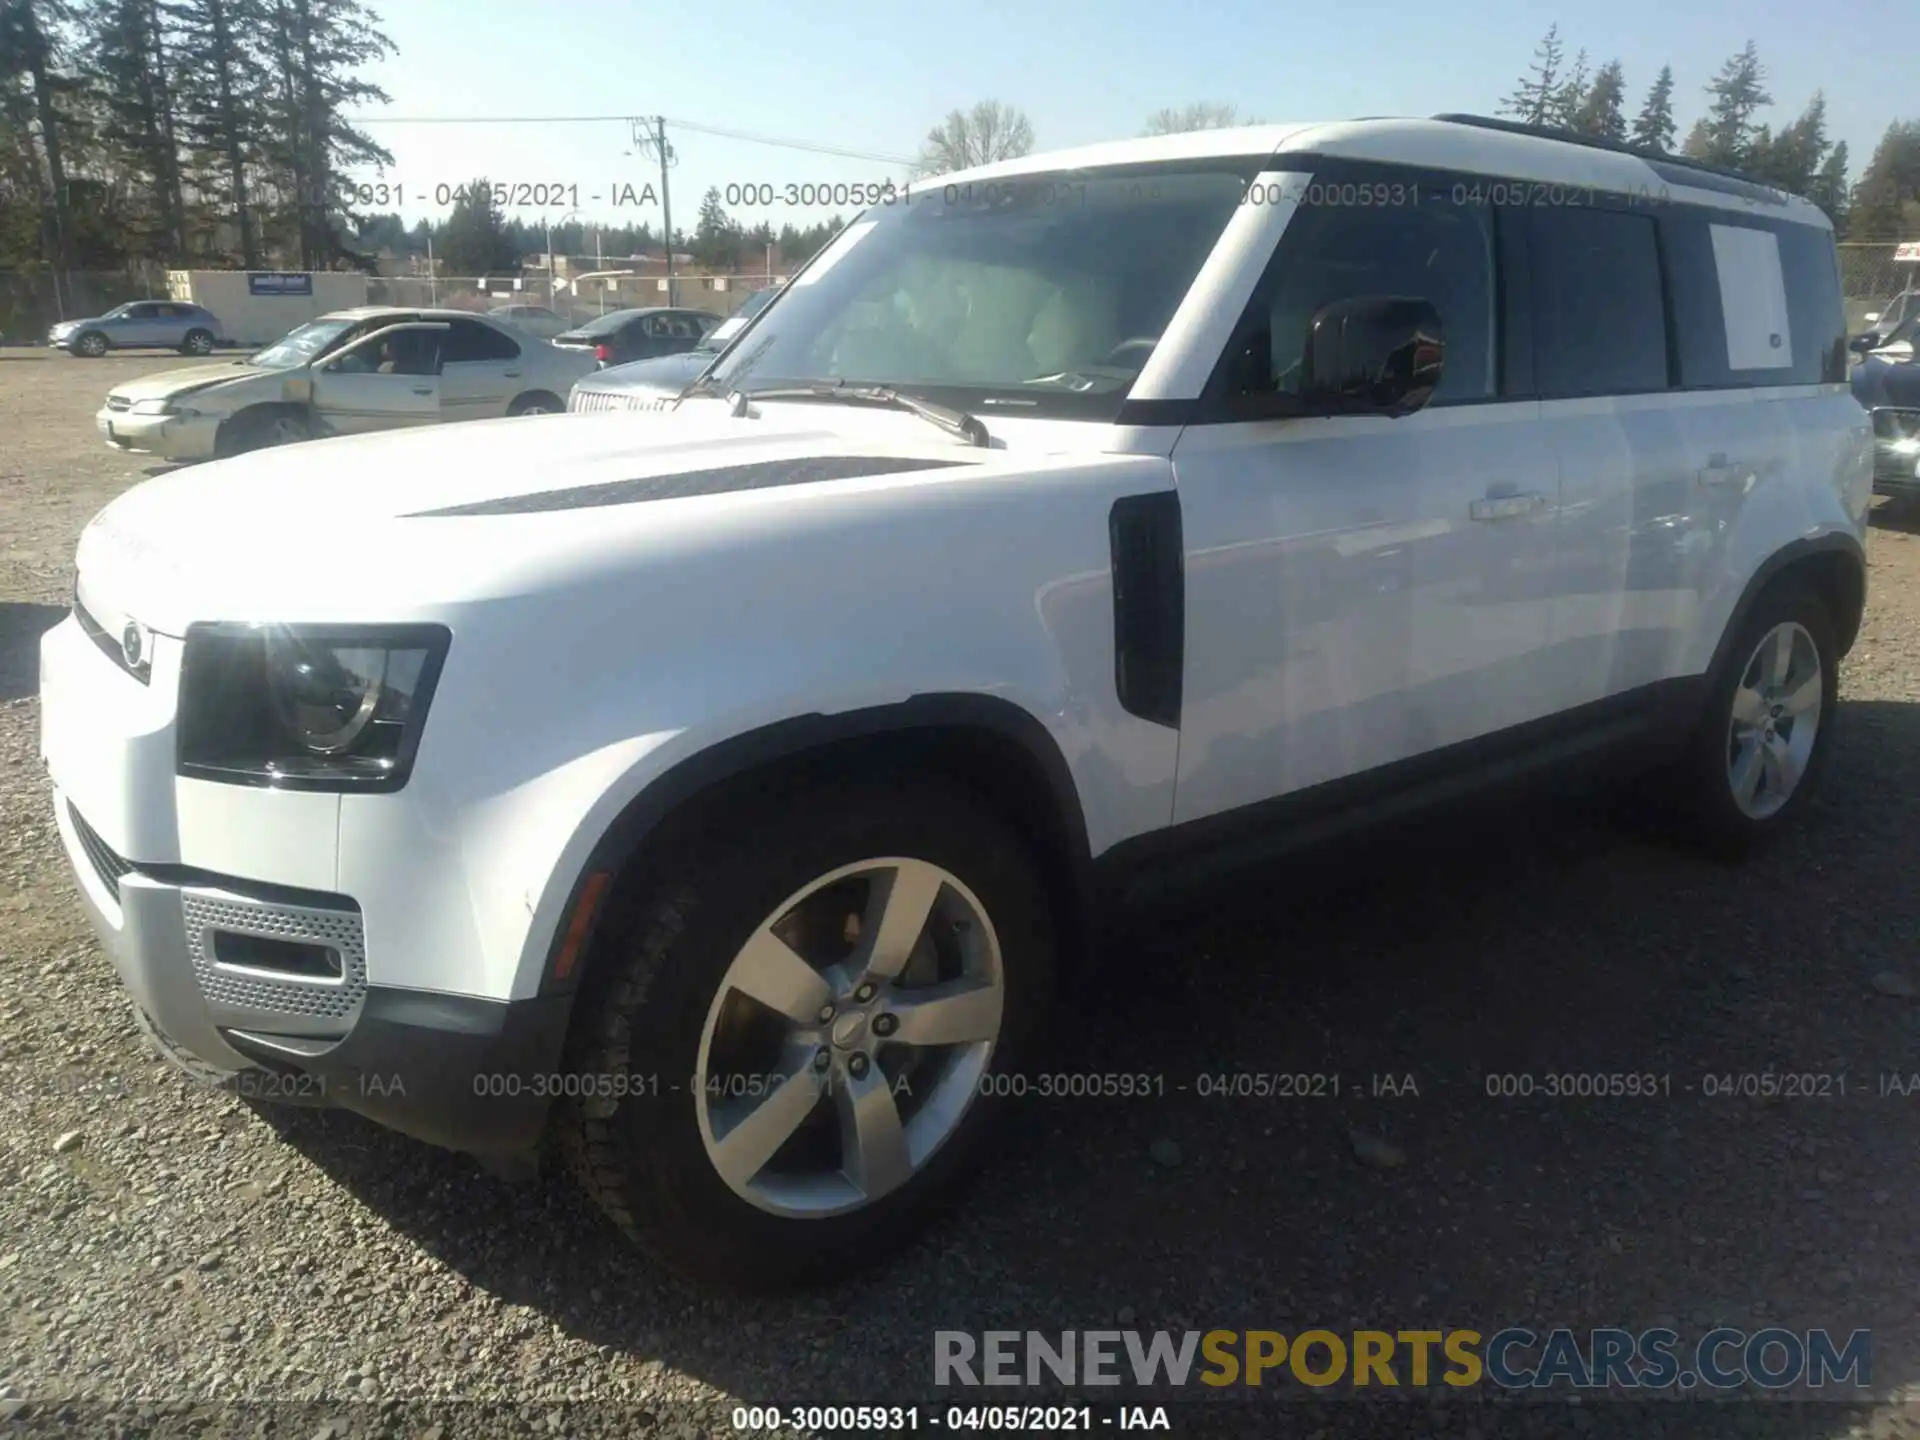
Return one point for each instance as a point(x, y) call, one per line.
point(1896, 450)
point(172, 437)
point(454, 1070)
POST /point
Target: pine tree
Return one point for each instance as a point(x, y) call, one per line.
point(31, 64)
point(1739, 93)
point(476, 241)
point(222, 106)
point(1533, 99)
point(1570, 95)
point(1599, 113)
point(130, 65)
point(716, 239)
point(1889, 184)
point(1653, 128)
point(1830, 191)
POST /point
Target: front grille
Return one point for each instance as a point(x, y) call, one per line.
point(585, 401)
point(109, 645)
point(316, 997)
point(107, 865)
point(119, 402)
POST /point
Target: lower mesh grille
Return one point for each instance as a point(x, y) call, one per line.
point(107, 865)
point(313, 997)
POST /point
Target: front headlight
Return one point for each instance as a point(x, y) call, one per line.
point(305, 707)
point(156, 407)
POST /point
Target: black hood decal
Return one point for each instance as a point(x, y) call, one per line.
point(760, 475)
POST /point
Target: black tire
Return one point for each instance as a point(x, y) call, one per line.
point(654, 977)
point(1707, 809)
point(262, 429)
point(537, 402)
point(92, 344)
point(197, 342)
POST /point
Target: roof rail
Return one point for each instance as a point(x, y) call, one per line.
point(1595, 142)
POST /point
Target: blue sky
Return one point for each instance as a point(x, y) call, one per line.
point(874, 77)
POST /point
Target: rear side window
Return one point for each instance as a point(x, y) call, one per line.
point(1755, 303)
point(470, 340)
point(1600, 325)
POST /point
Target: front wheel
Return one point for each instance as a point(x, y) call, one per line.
point(197, 342)
point(92, 345)
point(1758, 751)
point(790, 1046)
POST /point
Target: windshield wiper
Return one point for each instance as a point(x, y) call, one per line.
point(954, 422)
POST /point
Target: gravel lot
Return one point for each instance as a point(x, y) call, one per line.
point(165, 1246)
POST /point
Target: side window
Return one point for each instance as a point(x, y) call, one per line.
point(470, 340)
point(1414, 243)
point(1600, 325)
point(1754, 304)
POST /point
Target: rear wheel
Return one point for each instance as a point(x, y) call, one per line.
point(197, 342)
point(790, 1046)
point(1761, 742)
point(92, 345)
point(537, 403)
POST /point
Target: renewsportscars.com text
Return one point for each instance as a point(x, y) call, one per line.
point(1511, 1358)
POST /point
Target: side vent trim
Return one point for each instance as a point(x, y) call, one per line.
point(1149, 605)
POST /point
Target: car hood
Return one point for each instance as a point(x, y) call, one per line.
point(672, 372)
point(411, 524)
point(171, 384)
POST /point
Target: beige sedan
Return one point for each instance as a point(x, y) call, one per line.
point(348, 373)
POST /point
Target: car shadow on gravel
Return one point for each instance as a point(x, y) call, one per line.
point(22, 623)
point(1347, 1121)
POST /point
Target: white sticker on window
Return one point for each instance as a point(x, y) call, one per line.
point(836, 251)
point(1753, 298)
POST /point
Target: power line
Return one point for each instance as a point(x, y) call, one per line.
point(782, 142)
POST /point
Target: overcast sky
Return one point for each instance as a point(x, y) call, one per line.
point(873, 77)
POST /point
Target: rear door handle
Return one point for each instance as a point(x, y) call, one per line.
point(1719, 471)
point(1507, 507)
point(423, 389)
point(511, 374)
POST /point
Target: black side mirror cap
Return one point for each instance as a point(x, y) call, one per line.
point(1373, 355)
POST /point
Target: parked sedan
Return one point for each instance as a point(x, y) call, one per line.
point(621, 336)
point(656, 384)
point(1887, 382)
point(354, 371)
point(157, 324)
point(534, 319)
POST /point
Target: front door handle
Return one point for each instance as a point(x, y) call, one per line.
point(1507, 507)
point(423, 389)
point(511, 374)
point(1719, 471)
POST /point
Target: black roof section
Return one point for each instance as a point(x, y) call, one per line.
point(1676, 168)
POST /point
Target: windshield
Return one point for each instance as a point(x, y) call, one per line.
point(1042, 293)
point(301, 345)
point(118, 310)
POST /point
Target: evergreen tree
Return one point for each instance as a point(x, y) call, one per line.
point(222, 98)
point(1739, 93)
point(475, 240)
point(130, 66)
point(1890, 184)
point(1653, 128)
point(1534, 98)
point(716, 239)
point(1570, 95)
point(1599, 112)
point(31, 65)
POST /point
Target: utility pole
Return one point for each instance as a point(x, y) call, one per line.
point(651, 136)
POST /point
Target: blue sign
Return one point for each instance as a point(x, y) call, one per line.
point(280, 282)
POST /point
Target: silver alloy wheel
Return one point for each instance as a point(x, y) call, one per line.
point(285, 430)
point(848, 1038)
point(93, 344)
point(1775, 720)
point(536, 408)
point(200, 344)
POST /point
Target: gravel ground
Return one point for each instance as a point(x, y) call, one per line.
point(247, 1271)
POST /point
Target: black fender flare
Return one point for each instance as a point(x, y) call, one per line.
point(1834, 543)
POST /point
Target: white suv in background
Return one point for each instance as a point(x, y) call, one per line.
point(723, 792)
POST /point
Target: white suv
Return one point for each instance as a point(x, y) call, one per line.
point(723, 792)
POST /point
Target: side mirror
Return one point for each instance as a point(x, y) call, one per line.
point(1373, 355)
point(1860, 344)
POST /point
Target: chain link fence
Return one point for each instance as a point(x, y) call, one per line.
point(1870, 277)
point(32, 301)
point(577, 299)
